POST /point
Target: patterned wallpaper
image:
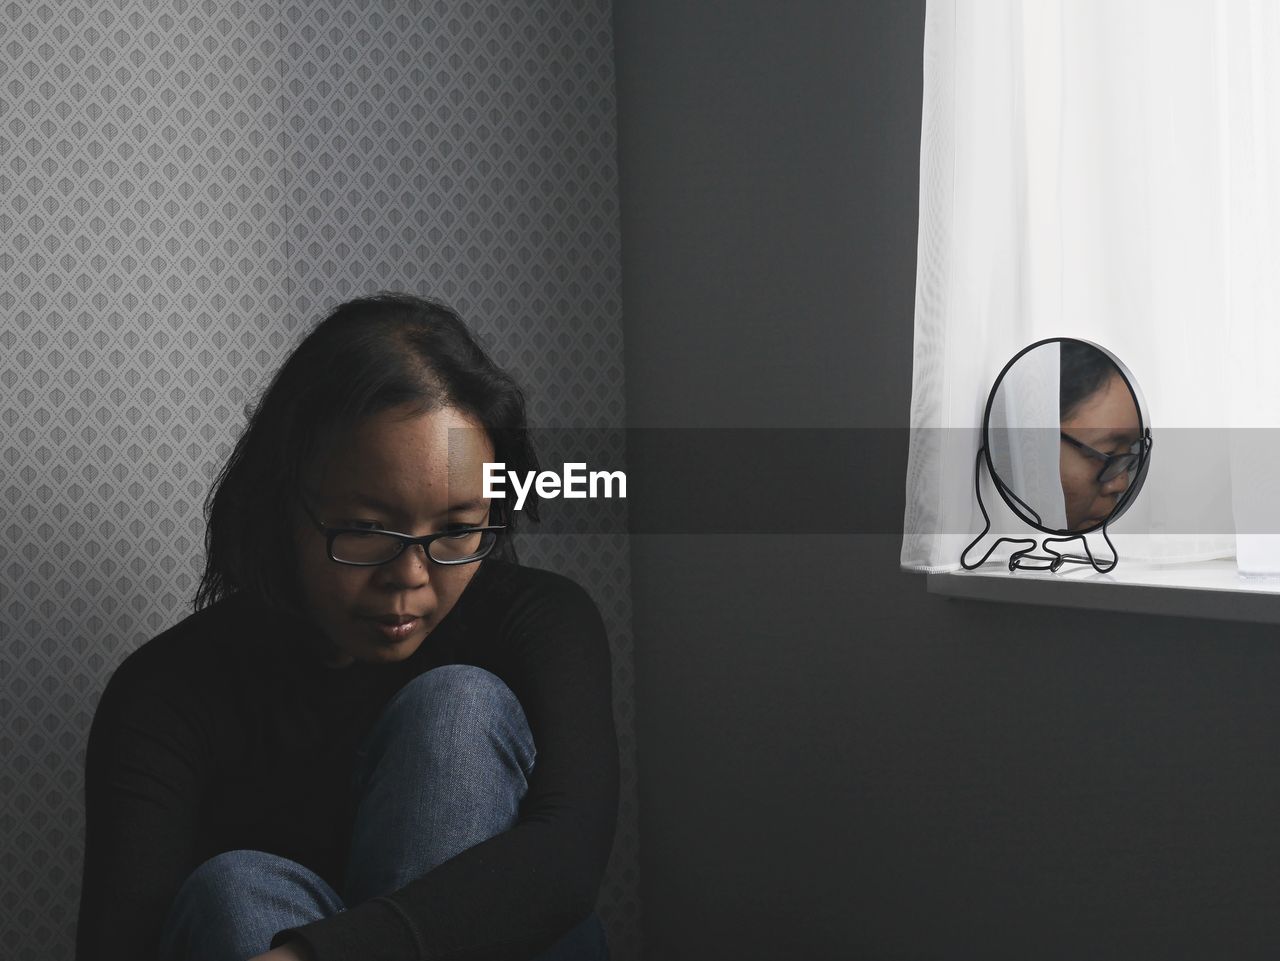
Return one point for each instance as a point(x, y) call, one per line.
point(185, 187)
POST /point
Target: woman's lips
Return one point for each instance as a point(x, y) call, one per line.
point(396, 627)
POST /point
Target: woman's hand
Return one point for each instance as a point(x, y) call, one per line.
point(291, 951)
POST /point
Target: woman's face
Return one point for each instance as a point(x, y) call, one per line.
point(406, 473)
point(1107, 421)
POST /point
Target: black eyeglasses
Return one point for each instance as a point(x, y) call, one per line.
point(1113, 465)
point(364, 547)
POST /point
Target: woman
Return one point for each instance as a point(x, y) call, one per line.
point(378, 737)
point(1099, 434)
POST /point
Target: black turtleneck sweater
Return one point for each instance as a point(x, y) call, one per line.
point(228, 732)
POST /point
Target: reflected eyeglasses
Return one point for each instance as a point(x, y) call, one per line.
point(1113, 465)
point(369, 547)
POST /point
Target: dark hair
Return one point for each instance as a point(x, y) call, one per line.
point(1082, 371)
point(367, 356)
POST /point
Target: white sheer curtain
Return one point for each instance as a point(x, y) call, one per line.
point(1108, 170)
point(1024, 430)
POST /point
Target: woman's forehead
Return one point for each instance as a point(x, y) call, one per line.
point(1111, 407)
point(399, 459)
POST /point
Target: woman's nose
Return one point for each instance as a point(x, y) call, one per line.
point(409, 569)
point(1117, 484)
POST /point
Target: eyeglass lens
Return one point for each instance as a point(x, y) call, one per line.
point(1117, 466)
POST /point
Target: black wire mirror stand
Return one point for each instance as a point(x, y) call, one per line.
point(1049, 559)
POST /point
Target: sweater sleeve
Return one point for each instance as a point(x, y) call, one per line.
point(516, 893)
point(144, 774)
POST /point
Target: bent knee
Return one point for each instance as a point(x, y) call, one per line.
point(462, 703)
point(232, 904)
point(232, 874)
point(459, 688)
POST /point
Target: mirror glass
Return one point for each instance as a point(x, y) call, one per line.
point(1066, 436)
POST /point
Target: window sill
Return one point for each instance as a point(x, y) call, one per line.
point(1209, 589)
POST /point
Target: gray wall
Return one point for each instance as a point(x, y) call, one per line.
point(835, 764)
point(185, 188)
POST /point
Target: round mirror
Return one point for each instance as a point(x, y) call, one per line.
point(1066, 436)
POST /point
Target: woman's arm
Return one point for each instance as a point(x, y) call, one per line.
point(521, 890)
point(144, 774)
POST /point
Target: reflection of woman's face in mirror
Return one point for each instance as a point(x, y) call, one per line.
point(1107, 421)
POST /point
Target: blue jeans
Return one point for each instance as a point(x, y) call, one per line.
point(442, 769)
